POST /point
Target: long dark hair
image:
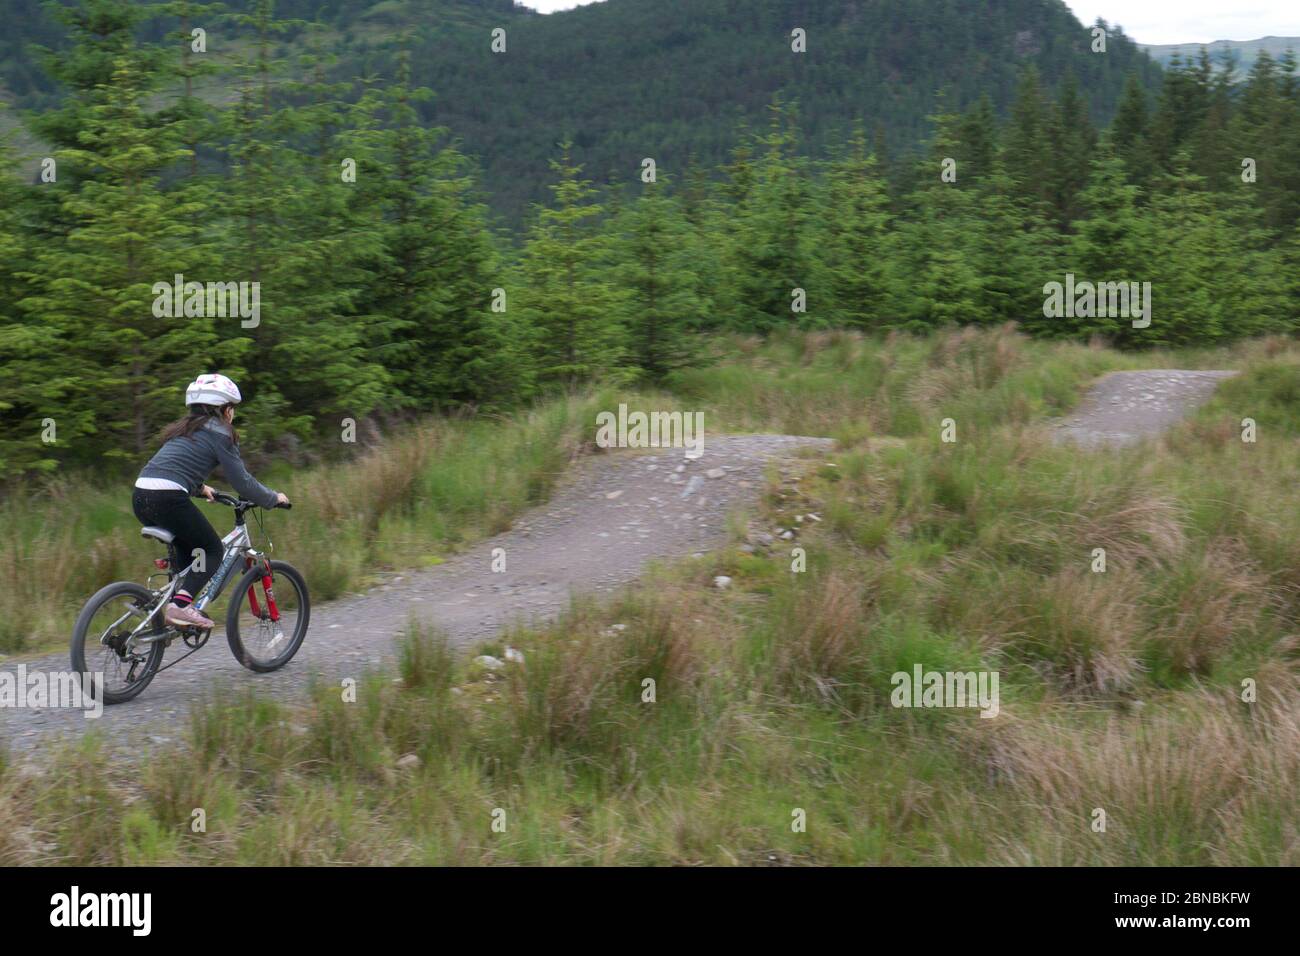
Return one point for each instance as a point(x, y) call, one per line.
point(198, 416)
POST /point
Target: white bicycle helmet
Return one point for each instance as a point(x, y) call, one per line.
point(212, 390)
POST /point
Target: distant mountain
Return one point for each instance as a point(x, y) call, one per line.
point(673, 79)
point(1243, 52)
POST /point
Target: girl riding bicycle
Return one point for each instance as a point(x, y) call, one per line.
point(192, 447)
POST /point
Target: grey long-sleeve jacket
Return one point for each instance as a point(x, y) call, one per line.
point(189, 460)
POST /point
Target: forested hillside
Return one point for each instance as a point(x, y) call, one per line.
point(384, 290)
point(1240, 53)
point(625, 79)
point(673, 78)
point(32, 27)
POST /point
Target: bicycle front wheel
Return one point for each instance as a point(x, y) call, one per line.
point(268, 614)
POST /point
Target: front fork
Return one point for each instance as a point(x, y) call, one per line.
point(272, 610)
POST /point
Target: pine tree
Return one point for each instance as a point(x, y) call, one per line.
point(1073, 140)
point(1184, 98)
point(97, 286)
point(38, 369)
point(1262, 284)
point(1197, 274)
point(770, 258)
point(658, 277)
point(572, 307)
point(197, 119)
point(1279, 275)
point(434, 269)
point(1025, 154)
point(306, 361)
point(978, 137)
point(1014, 251)
point(944, 269)
point(100, 36)
point(1111, 243)
point(1213, 156)
point(858, 245)
point(1129, 129)
point(253, 239)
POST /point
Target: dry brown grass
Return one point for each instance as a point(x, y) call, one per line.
point(1083, 631)
point(1215, 599)
point(966, 360)
point(1203, 774)
point(823, 637)
point(576, 679)
point(377, 482)
point(812, 344)
point(15, 841)
point(1142, 530)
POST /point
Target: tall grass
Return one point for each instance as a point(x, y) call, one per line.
point(1121, 690)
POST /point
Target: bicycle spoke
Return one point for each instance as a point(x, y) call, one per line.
point(263, 639)
point(109, 650)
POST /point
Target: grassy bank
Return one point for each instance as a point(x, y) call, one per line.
point(1121, 691)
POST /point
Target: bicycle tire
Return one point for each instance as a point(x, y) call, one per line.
point(152, 662)
point(251, 578)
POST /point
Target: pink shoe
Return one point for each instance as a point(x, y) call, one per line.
point(186, 616)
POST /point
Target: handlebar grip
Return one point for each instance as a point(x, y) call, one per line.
point(288, 505)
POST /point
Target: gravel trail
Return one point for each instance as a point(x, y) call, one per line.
point(614, 513)
point(1125, 407)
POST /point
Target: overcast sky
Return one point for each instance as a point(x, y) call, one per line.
point(1150, 21)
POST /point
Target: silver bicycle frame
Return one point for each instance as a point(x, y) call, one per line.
point(237, 544)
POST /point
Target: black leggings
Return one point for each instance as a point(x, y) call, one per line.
point(175, 511)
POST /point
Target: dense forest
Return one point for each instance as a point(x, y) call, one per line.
point(386, 290)
point(620, 77)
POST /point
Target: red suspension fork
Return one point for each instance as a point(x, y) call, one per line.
point(252, 593)
point(267, 588)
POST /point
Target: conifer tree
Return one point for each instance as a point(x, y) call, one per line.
point(569, 304)
point(1025, 155)
point(770, 259)
point(306, 359)
point(96, 288)
point(1130, 133)
point(858, 247)
point(1073, 140)
point(434, 269)
point(100, 35)
point(1013, 251)
point(1111, 243)
point(38, 369)
point(657, 276)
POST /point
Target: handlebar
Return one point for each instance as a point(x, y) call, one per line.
point(240, 504)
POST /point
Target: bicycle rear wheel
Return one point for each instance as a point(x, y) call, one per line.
point(258, 642)
point(99, 648)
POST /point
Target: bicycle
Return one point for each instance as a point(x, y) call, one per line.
point(134, 641)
